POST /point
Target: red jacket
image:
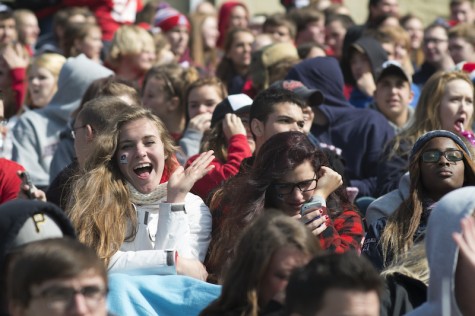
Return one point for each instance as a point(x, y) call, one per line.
point(238, 149)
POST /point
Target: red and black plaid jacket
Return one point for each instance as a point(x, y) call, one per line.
point(345, 232)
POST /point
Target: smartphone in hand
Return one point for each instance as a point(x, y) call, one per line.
point(315, 203)
point(310, 205)
point(25, 176)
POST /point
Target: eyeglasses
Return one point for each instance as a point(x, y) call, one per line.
point(434, 40)
point(74, 129)
point(288, 188)
point(432, 156)
point(59, 298)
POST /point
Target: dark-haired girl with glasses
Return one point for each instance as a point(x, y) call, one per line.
point(440, 162)
point(287, 173)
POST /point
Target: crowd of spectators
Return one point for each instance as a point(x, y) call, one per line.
point(227, 162)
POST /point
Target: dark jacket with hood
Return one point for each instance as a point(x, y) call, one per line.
point(423, 74)
point(13, 215)
point(360, 133)
point(376, 56)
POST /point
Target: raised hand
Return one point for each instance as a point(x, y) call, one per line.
point(232, 125)
point(201, 122)
point(181, 181)
point(366, 83)
point(15, 56)
point(27, 192)
point(328, 181)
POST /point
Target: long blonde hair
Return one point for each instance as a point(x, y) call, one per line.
point(413, 264)
point(100, 207)
point(202, 56)
point(426, 115)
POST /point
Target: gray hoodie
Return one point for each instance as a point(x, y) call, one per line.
point(36, 134)
point(385, 205)
point(442, 251)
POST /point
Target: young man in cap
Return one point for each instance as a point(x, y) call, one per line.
point(23, 222)
point(312, 97)
point(393, 94)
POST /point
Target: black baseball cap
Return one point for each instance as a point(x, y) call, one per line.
point(313, 97)
point(234, 103)
point(392, 67)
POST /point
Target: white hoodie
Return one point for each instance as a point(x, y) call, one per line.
point(442, 252)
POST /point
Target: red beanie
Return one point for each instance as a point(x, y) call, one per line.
point(168, 18)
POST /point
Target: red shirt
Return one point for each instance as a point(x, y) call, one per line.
point(238, 149)
point(9, 180)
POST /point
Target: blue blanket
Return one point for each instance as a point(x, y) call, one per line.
point(169, 295)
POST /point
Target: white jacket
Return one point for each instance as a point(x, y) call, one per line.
point(161, 230)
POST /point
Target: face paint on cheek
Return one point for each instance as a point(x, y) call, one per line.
point(123, 159)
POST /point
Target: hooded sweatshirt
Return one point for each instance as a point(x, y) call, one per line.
point(224, 18)
point(361, 134)
point(385, 205)
point(13, 215)
point(442, 251)
point(376, 56)
point(36, 134)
